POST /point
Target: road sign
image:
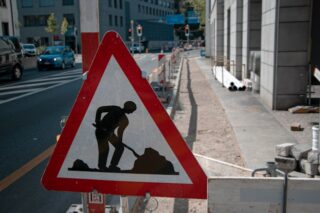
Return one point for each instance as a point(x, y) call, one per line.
point(119, 139)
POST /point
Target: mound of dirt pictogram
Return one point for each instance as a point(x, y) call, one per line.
point(151, 162)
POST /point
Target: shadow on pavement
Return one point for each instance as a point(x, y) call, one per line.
point(182, 205)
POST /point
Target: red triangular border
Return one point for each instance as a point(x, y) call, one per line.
point(113, 45)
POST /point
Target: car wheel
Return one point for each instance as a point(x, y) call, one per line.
point(63, 66)
point(16, 73)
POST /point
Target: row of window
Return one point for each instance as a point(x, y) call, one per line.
point(45, 3)
point(41, 20)
point(116, 21)
point(152, 11)
point(162, 3)
point(115, 3)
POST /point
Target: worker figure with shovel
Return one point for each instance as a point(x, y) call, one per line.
point(105, 133)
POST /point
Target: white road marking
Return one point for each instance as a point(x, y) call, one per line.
point(33, 86)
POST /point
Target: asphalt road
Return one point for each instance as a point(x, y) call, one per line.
point(30, 113)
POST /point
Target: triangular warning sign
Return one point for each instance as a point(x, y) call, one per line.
point(119, 139)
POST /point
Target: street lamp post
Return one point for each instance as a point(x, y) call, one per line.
point(187, 33)
point(132, 36)
point(139, 33)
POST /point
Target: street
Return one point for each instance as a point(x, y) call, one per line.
point(31, 110)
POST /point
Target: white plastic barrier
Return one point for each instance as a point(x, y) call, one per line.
point(254, 195)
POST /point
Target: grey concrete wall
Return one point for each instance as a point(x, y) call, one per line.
point(268, 36)
point(293, 53)
point(251, 31)
point(235, 45)
point(284, 52)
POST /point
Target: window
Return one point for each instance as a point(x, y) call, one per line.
point(120, 4)
point(116, 21)
point(46, 3)
point(139, 8)
point(110, 20)
point(3, 3)
point(110, 3)
point(70, 19)
point(26, 3)
point(5, 28)
point(115, 3)
point(147, 10)
point(121, 21)
point(67, 2)
point(35, 21)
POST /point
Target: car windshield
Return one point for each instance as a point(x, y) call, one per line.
point(53, 51)
point(28, 46)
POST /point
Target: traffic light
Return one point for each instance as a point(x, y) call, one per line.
point(139, 30)
point(187, 30)
point(129, 33)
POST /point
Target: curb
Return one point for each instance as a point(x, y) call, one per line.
point(171, 108)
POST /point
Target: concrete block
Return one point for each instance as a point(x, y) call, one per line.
point(286, 164)
point(300, 151)
point(309, 168)
point(284, 149)
point(314, 157)
point(296, 127)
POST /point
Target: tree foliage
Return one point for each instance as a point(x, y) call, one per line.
point(52, 25)
point(200, 8)
point(64, 26)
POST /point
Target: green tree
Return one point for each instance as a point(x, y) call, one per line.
point(52, 25)
point(200, 8)
point(64, 26)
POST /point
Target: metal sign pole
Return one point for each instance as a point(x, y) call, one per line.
point(132, 36)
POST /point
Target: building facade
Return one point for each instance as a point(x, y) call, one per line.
point(117, 15)
point(9, 18)
point(33, 15)
point(113, 15)
point(281, 33)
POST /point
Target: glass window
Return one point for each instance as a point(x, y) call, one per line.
point(120, 4)
point(116, 21)
point(26, 3)
point(121, 21)
point(110, 3)
point(3, 3)
point(35, 21)
point(110, 20)
point(115, 3)
point(46, 3)
point(139, 8)
point(67, 2)
point(70, 19)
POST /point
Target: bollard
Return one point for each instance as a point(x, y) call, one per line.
point(315, 138)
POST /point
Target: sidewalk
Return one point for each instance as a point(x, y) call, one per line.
point(257, 128)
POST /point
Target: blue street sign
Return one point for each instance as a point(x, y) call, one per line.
point(175, 19)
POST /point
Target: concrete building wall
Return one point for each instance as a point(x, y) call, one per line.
point(268, 36)
point(285, 52)
point(208, 29)
point(9, 16)
point(251, 37)
point(233, 35)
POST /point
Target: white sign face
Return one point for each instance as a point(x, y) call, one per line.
point(141, 135)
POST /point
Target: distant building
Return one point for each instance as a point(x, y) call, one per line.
point(281, 36)
point(9, 18)
point(117, 15)
point(33, 15)
point(113, 15)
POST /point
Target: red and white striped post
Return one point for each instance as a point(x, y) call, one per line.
point(89, 22)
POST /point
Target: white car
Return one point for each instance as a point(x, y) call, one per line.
point(28, 50)
point(136, 48)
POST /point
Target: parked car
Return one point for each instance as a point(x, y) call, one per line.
point(136, 48)
point(56, 57)
point(10, 60)
point(29, 50)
